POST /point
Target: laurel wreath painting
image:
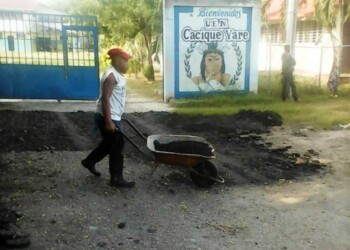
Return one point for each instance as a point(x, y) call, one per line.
point(239, 64)
point(187, 58)
point(238, 55)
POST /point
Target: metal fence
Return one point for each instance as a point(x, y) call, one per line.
point(46, 56)
point(37, 39)
point(312, 61)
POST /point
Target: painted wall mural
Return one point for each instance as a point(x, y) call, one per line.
point(212, 49)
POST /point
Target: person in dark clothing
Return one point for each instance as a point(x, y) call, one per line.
point(110, 108)
point(288, 63)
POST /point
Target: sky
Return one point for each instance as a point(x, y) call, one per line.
point(46, 2)
point(51, 3)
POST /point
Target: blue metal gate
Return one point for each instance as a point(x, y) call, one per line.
point(44, 56)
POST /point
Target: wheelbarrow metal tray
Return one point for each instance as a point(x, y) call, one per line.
point(176, 158)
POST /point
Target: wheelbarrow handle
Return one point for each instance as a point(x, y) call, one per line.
point(134, 127)
point(131, 141)
point(135, 145)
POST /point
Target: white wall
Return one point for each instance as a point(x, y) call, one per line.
point(310, 60)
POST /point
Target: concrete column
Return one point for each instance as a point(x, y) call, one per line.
point(291, 25)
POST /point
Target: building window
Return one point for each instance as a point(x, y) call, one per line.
point(43, 44)
point(11, 43)
point(271, 34)
point(308, 32)
point(21, 35)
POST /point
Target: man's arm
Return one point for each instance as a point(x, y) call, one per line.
point(292, 61)
point(107, 90)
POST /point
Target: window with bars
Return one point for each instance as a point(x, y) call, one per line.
point(80, 45)
point(11, 43)
point(43, 44)
point(308, 32)
point(270, 34)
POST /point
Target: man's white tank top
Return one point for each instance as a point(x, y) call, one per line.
point(117, 99)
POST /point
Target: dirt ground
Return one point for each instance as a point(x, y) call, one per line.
point(285, 188)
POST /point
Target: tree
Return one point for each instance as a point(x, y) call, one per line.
point(332, 14)
point(123, 20)
point(265, 16)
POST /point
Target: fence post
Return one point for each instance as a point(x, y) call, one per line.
point(269, 78)
point(320, 69)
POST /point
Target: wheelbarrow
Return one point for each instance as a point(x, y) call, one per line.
point(191, 152)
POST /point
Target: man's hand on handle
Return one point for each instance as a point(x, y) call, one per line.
point(110, 127)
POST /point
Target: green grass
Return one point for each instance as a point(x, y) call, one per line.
point(140, 86)
point(316, 108)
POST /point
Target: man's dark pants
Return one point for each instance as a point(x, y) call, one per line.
point(112, 144)
point(288, 82)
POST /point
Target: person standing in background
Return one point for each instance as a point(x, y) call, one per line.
point(288, 63)
point(333, 82)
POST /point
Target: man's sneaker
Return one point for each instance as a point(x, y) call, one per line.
point(120, 182)
point(90, 167)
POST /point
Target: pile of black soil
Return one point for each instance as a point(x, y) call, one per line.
point(184, 147)
point(43, 130)
point(241, 154)
point(11, 236)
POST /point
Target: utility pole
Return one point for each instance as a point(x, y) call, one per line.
point(291, 25)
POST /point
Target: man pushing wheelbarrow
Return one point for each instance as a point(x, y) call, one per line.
point(168, 149)
point(110, 108)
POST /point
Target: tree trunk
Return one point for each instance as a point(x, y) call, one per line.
point(337, 38)
point(148, 42)
point(150, 63)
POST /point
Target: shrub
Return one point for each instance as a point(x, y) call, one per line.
point(148, 72)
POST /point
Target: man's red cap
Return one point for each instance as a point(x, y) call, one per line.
point(118, 51)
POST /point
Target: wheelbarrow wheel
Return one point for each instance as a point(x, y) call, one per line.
point(204, 174)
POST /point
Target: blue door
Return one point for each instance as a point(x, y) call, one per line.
point(48, 56)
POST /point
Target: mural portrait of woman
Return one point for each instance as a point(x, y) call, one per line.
point(212, 70)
